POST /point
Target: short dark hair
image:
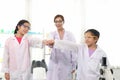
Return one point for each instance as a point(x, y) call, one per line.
point(59, 15)
point(94, 32)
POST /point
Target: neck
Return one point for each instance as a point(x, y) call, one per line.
point(93, 47)
point(19, 35)
point(61, 29)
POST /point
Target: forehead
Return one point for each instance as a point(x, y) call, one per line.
point(26, 24)
point(88, 34)
point(58, 18)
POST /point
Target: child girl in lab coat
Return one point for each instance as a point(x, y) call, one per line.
point(89, 54)
point(16, 60)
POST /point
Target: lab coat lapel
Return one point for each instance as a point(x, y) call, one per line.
point(94, 53)
point(23, 39)
point(58, 36)
point(15, 40)
point(86, 51)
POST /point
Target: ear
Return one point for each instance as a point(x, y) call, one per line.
point(96, 38)
point(18, 27)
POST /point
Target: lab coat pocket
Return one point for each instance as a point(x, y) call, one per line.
point(94, 64)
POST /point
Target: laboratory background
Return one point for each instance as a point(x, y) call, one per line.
point(80, 15)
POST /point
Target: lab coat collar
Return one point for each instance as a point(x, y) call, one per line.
point(96, 50)
point(24, 37)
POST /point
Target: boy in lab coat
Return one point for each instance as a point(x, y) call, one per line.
point(89, 54)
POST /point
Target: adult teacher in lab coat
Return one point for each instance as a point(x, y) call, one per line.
point(62, 63)
point(17, 59)
point(89, 54)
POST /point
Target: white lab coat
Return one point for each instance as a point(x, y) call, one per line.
point(17, 58)
point(61, 62)
point(88, 67)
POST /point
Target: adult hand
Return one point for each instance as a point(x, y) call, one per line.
point(45, 42)
point(7, 76)
point(73, 71)
point(50, 42)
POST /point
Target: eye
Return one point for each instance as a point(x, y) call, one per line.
point(26, 26)
point(90, 37)
point(60, 21)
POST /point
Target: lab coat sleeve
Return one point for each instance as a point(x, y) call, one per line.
point(36, 42)
point(5, 63)
point(74, 60)
point(66, 45)
point(50, 37)
point(73, 54)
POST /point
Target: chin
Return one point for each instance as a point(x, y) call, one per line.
point(88, 44)
point(24, 33)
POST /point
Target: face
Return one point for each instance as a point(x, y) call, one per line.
point(90, 39)
point(59, 23)
point(23, 29)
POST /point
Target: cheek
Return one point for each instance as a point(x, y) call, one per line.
point(57, 25)
point(24, 31)
point(88, 41)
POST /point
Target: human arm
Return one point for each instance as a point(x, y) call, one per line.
point(64, 45)
point(74, 61)
point(71, 37)
point(5, 62)
point(36, 41)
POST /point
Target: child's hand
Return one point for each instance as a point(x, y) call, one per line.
point(50, 42)
point(7, 76)
point(73, 71)
point(45, 42)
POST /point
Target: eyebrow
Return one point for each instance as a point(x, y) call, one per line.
point(90, 36)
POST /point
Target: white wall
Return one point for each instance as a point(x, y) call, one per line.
point(79, 15)
point(43, 13)
point(11, 12)
point(104, 15)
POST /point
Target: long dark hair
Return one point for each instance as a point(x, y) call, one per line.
point(20, 23)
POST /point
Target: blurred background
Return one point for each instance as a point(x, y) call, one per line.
point(80, 15)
